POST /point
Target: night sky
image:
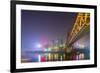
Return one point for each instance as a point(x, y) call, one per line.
point(37, 26)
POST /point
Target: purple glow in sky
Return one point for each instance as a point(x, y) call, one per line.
point(43, 26)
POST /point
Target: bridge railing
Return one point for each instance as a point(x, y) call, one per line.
point(82, 20)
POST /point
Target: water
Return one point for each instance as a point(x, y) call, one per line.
point(58, 56)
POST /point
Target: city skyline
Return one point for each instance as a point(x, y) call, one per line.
point(40, 26)
point(45, 34)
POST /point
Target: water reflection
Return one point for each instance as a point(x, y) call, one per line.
point(40, 56)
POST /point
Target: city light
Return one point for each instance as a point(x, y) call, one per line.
point(39, 58)
point(38, 45)
point(81, 46)
point(67, 42)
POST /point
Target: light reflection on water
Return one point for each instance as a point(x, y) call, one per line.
point(78, 54)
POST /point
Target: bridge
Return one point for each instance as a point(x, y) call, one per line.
point(80, 28)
